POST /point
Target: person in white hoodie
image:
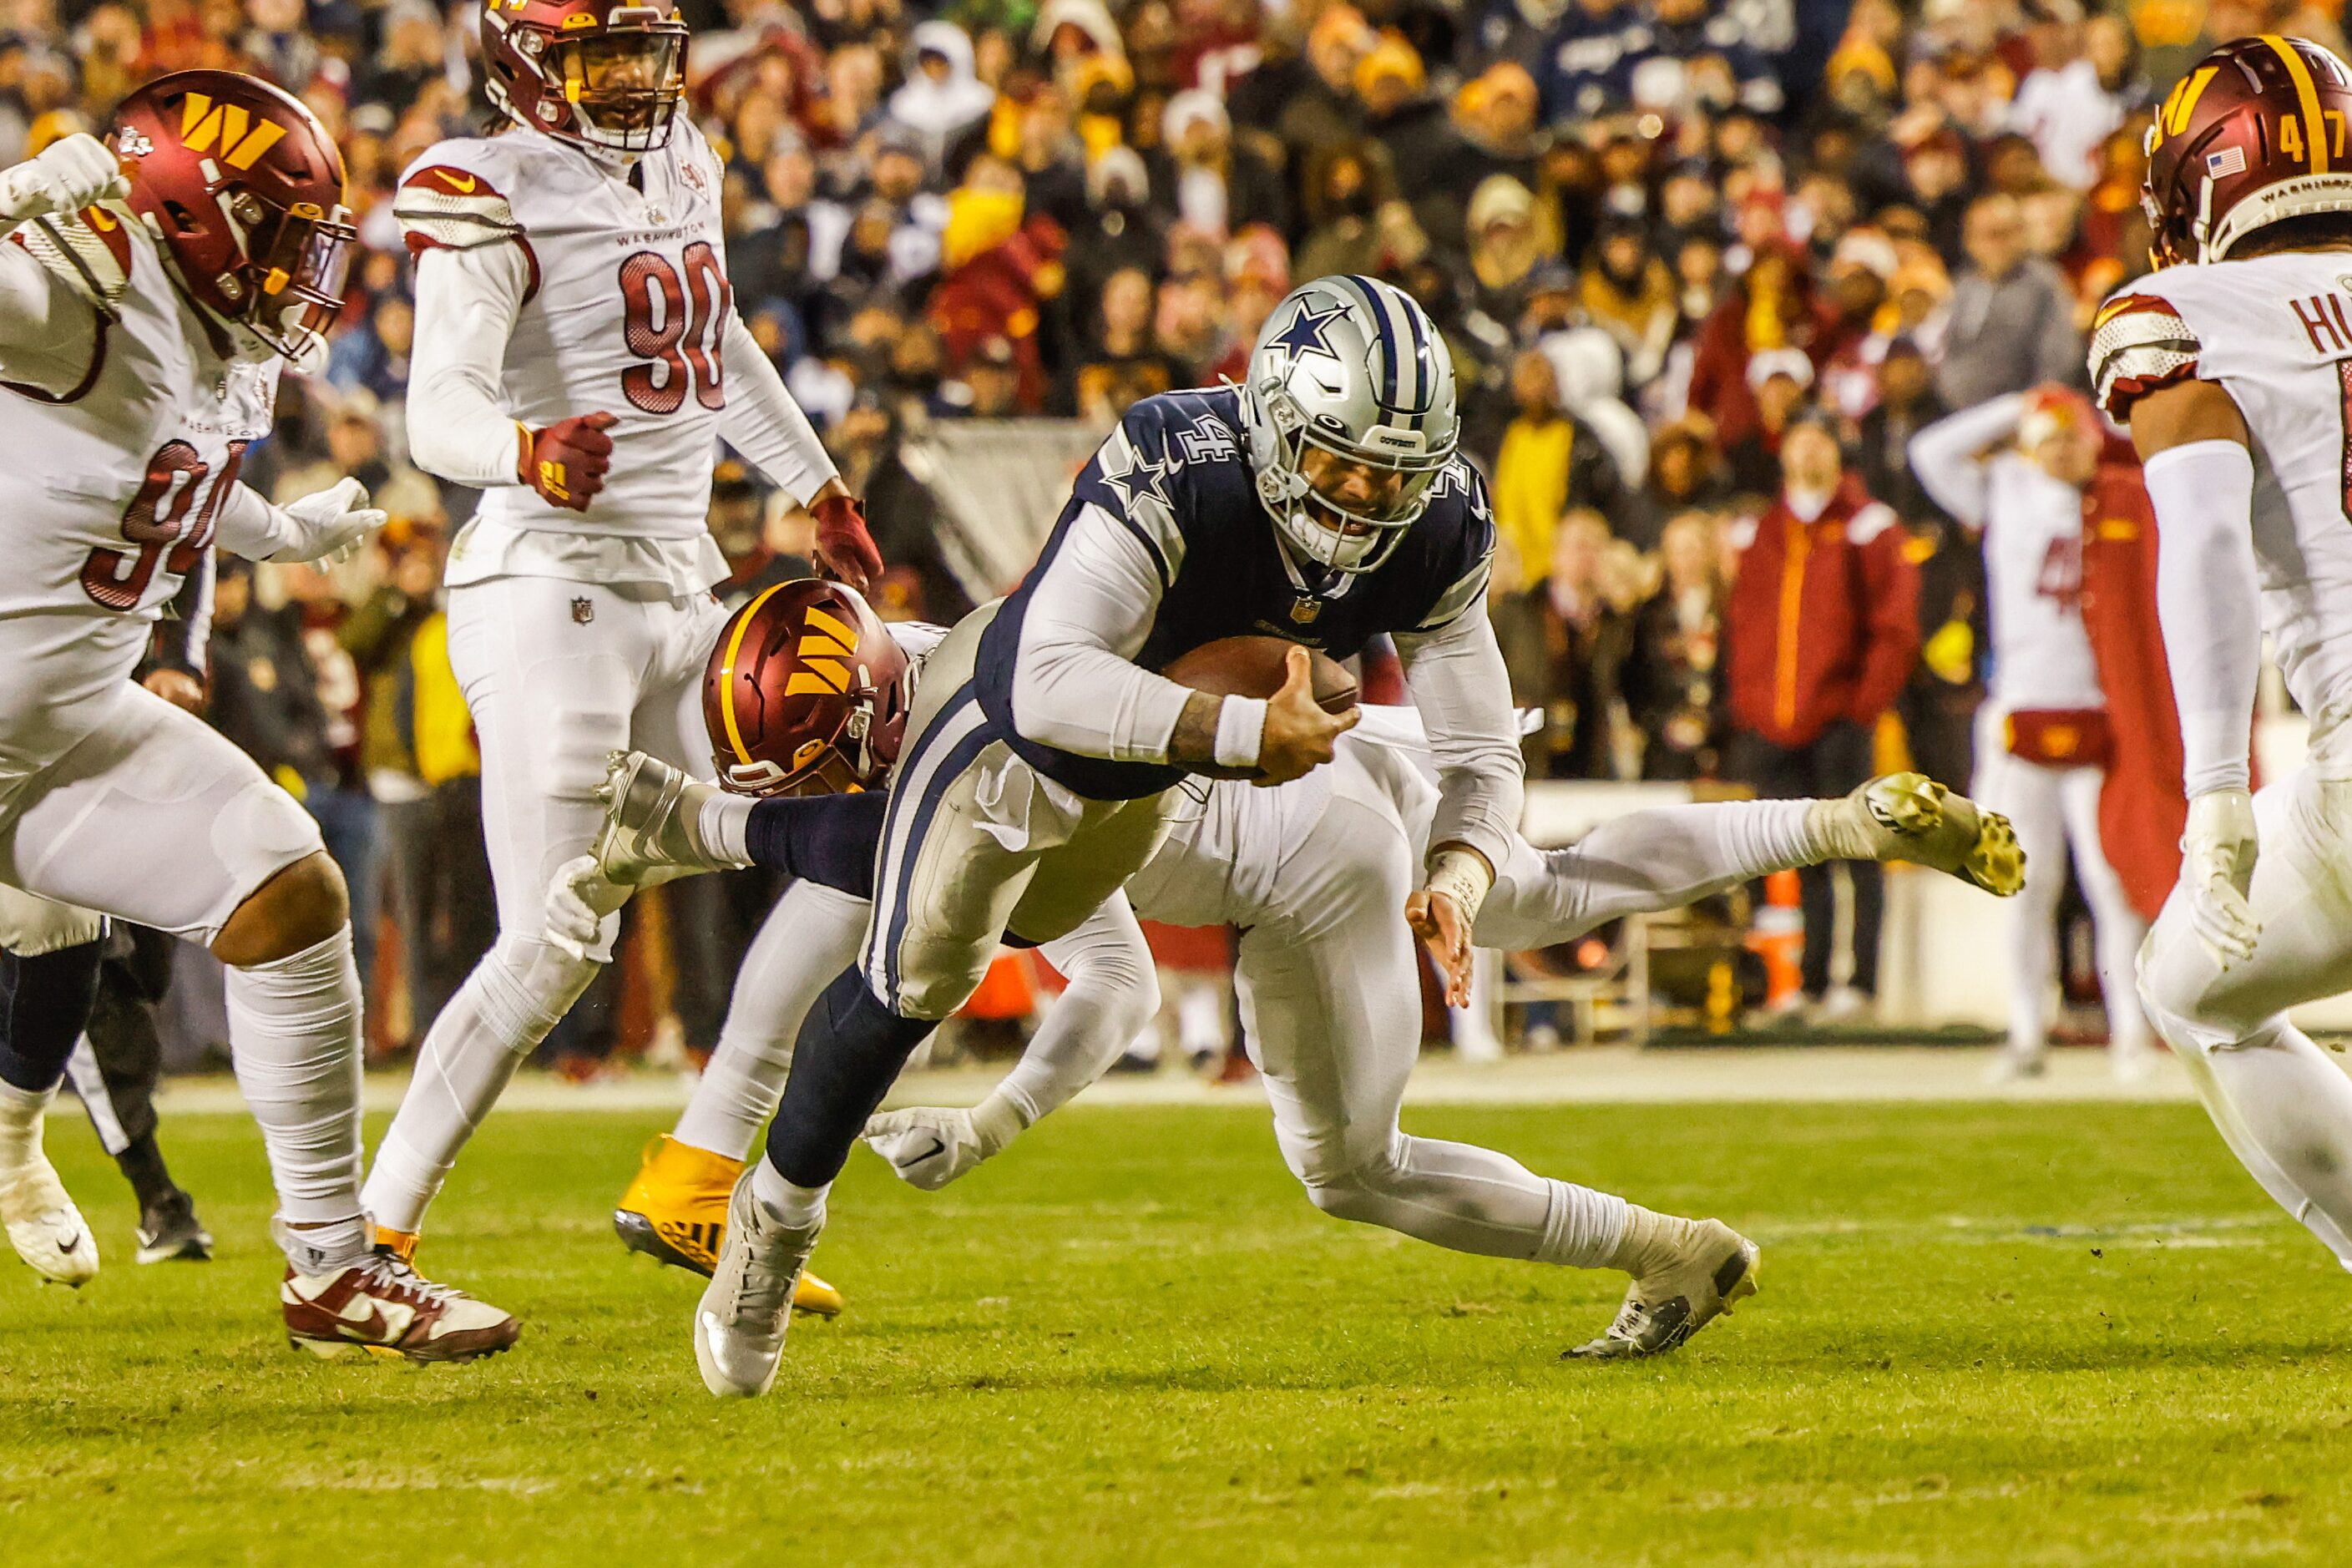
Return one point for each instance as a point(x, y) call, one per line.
point(942, 97)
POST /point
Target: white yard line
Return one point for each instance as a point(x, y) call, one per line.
point(1595, 1076)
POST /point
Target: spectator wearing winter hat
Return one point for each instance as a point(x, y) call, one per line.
point(1507, 244)
point(943, 99)
point(1777, 379)
point(1423, 148)
point(1498, 118)
point(1822, 630)
point(1771, 306)
point(1629, 292)
point(1205, 178)
point(1120, 228)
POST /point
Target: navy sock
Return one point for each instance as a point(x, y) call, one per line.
point(850, 1049)
point(44, 1003)
point(828, 839)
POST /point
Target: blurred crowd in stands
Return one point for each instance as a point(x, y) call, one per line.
point(1689, 258)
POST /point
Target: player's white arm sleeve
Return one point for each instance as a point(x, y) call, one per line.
point(1076, 685)
point(2208, 603)
point(763, 422)
point(1947, 456)
point(1113, 995)
point(1463, 693)
point(466, 302)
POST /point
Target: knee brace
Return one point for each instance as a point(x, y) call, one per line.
point(527, 986)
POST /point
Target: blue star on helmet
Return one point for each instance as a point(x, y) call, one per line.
point(1304, 334)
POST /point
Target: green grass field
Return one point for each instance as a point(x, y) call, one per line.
point(1987, 1334)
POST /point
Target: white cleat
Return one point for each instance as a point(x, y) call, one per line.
point(1673, 1302)
point(739, 1324)
point(47, 1231)
point(1910, 817)
point(653, 817)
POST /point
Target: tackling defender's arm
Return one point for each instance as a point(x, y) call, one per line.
point(2200, 468)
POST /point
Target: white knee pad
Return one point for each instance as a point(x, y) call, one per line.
point(527, 985)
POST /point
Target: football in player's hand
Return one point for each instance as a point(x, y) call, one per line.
point(1254, 667)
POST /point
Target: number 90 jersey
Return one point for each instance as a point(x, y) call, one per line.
point(626, 311)
point(2276, 332)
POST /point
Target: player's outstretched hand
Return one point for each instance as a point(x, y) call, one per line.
point(843, 545)
point(578, 900)
point(930, 1145)
point(335, 521)
point(2217, 853)
point(570, 458)
point(1298, 737)
point(69, 175)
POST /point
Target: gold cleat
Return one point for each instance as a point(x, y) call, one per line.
point(1910, 817)
point(674, 1212)
point(401, 1244)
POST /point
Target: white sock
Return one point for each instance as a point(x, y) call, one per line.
point(721, 824)
point(1649, 1240)
point(22, 1112)
point(1641, 863)
point(294, 1033)
point(810, 937)
point(1585, 1226)
point(498, 1017)
point(793, 1206)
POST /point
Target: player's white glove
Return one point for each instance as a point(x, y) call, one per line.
point(69, 175)
point(930, 1146)
point(2217, 867)
point(336, 522)
point(578, 900)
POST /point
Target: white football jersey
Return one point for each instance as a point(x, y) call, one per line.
point(2275, 331)
point(2033, 574)
point(111, 487)
point(627, 312)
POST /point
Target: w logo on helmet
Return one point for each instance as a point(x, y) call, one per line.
point(825, 650)
point(242, 139)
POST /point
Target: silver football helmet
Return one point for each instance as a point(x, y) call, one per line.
point(1349, 410)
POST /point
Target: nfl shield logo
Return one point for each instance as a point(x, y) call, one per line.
point(583, 611)
point(1304, 610)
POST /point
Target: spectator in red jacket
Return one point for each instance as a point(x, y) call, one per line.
point(1821, 631)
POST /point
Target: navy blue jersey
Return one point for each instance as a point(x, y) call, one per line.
point(1175, 473)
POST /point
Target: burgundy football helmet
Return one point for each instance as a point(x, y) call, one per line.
point(244, 189)
point(606, 75)
point(805, 693)
point(2255, 134)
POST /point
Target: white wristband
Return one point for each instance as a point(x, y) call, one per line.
point(1241, 725)
point(1463, 877)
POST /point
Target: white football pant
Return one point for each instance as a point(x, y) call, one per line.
point(2055, 811)
point(558, 676)
point(2283, 1105)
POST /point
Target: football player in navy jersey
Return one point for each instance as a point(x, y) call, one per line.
point(1324, 502)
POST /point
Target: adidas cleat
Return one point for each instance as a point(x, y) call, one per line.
point(1910, 817)
point(385, 1308)
point(674, 1213)
point(1669, 1303)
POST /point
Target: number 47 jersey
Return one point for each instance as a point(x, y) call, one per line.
point(2276, 332)
point(626, 311)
